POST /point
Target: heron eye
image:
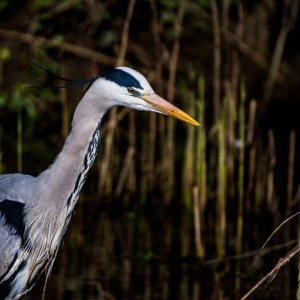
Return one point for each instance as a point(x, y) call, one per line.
point(131, 91)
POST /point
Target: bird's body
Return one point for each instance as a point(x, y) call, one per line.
point(35, 211)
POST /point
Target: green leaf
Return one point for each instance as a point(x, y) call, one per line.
point(40, 4)
point(4, 54)
point(58, 39)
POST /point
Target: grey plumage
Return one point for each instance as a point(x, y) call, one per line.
point(35, 211)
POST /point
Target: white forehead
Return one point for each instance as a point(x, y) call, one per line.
point(139, 77)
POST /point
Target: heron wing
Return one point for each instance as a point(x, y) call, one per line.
point(12, 216)
point(12, 230)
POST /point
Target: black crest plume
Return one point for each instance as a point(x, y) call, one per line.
point(70, 82)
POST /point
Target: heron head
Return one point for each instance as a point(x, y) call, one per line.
point(127, 87)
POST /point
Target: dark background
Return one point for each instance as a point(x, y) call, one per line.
point(233, 65)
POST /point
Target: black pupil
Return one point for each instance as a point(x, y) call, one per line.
point(131, 91)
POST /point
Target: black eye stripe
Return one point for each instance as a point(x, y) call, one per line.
point(121, 78)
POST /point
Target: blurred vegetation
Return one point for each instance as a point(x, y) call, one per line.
point(230, 64)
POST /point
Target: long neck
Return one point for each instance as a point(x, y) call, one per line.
point(79, 164)
point(64, 179)
point(58, 187)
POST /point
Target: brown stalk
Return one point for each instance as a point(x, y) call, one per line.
point(127, 174)
point(188, 173)
point(125, 171)
point(197, 223)
point(271, 166)
point(225, 13)
point(261, 180)
point(251, 122)
point(216, 60)
point(252, 151)
point(298, 287)
point(221, 187)
point(291, 164)
point(230, 117)
point(132, 145)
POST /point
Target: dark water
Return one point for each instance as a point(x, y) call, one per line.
point(150, 254)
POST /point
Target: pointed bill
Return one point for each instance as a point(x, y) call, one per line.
point(167, 108)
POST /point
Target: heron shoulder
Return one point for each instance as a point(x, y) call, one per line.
point(17, 187)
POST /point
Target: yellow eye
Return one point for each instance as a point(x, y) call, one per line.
point(130, 91)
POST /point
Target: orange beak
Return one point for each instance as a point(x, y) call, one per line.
point(167, 108)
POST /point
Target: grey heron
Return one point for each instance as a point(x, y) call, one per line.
point(35, 211)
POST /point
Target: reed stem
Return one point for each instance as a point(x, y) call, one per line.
point(290, 171)
point(221, 188)
point(189, 158)
point(201, 167)
point(242, 142)
point(241, 173)
point(298, 234)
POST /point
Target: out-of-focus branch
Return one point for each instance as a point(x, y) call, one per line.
point(175, 51)
point(124, 39)
point(290, 14)
point(243, 47)
point(64, 46)
point(61, 7)
point(272, 274)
